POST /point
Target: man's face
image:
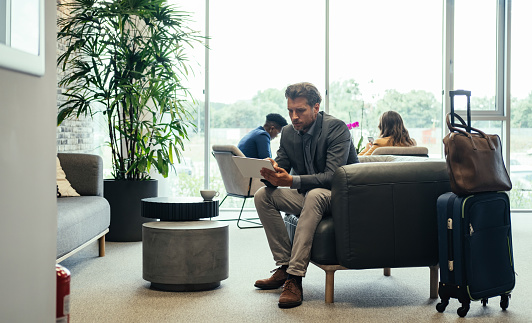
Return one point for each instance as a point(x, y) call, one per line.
point(274, 132)
point(302, 114)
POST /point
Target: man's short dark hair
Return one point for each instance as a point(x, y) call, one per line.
point(276, 120)
point(303, 90)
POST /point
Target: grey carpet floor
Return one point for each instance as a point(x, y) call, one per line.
point(111, 289)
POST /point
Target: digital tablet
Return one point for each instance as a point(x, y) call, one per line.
point(250, 167)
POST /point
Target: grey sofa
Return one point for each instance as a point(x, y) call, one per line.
point(383, 216)
point(81, 220)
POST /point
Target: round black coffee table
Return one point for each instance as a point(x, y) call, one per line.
point(178, 208)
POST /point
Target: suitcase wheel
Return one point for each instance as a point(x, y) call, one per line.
point(485, 301)
point(440, 307)
point(505, 300)
point(462, 311)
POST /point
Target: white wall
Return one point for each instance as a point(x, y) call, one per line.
point(27, 189)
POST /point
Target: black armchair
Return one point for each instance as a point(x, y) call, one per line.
point(383, 216)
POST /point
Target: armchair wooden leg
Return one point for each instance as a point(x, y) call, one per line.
point(387, 271)
point(101, 244)
point(329, 286)
point(329, 280)
point(434, 281)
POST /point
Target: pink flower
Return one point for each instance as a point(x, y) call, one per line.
point(353, 125)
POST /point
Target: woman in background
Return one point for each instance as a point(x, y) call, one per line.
point(392, 133)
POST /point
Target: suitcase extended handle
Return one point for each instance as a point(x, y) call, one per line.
point(454, 93)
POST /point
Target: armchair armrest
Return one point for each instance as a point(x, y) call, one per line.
point(84, 172)
point(385, 213)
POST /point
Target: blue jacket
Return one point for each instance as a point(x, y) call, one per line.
point(256, 144)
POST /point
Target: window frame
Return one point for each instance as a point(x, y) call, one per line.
point(502, 87)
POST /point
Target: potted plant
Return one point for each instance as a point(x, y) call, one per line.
point(125, 61)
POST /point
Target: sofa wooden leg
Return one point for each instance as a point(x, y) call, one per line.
point(329, 286)
point(387, 271)
point(434, 281)
point(101, 244)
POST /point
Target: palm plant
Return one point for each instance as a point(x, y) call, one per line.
point(126, 61)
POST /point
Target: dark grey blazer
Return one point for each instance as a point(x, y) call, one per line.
point(331, 148)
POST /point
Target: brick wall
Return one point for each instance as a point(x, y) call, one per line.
point(76, 135)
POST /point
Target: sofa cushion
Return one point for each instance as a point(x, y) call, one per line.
point(405, 151)
point(389, 158)
point(79, 219)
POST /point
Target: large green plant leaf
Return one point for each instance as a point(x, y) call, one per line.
point(126, 61)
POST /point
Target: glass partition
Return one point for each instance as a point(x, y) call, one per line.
point(475, 51)
point(521, 106)
point(386, 56)
point(189, 175)
point(256, 51)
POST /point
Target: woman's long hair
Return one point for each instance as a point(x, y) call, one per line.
point(391, 125)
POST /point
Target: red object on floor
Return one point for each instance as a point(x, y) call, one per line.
point(62, 308)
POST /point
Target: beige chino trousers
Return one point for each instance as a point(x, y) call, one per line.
point(311, 207)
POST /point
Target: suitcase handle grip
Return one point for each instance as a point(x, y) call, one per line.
point(454, 93)
point(459, 92)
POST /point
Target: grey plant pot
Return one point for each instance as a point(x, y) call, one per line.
point(124, 198)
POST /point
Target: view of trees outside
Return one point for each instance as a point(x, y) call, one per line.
point(254, 56)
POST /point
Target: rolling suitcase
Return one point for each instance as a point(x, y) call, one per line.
point(475, 249)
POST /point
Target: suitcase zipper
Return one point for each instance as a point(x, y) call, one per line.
point(464, 204)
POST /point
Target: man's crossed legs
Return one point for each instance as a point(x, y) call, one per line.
point(292, 259)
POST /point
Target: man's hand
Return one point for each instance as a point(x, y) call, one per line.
point(278, 178)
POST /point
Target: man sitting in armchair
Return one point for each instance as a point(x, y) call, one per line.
point(311, 150)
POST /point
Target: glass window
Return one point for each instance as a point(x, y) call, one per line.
point(256, 51)
point(475, 51)
point(384, 60)
point(189, 175)
point(521, 106)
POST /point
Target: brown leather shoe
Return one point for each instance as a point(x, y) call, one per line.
point(275, 281)
point(292, 294)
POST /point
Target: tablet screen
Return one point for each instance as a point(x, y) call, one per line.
point(250, 167)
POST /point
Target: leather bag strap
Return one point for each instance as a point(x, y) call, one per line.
point(465, 133)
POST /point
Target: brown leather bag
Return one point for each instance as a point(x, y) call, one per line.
point(474, 160)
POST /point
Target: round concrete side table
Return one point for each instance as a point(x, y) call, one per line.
point(185, 255)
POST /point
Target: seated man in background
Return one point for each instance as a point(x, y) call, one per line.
point(256, 143)
point(392, 133)
point(311, 150)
